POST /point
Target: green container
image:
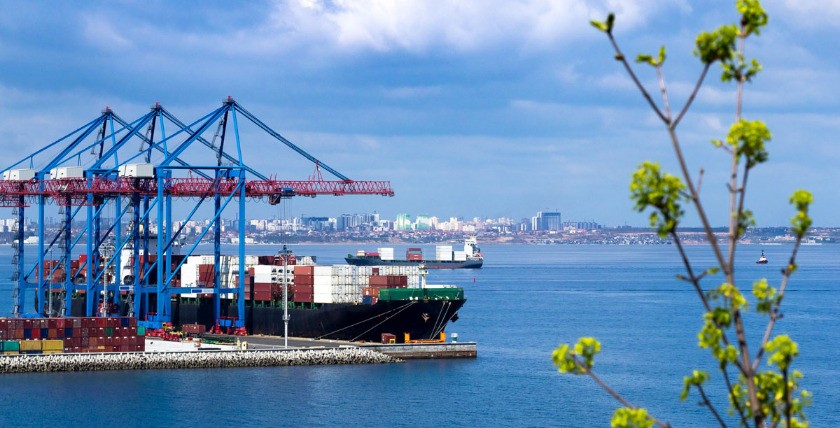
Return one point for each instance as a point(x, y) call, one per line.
point(109, 331)
point(449, 293)
point(11, 345)
point(141, 330)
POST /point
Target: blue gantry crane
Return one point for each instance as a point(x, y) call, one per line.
point(141, 195)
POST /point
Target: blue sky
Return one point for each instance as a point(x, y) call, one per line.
point(470, 108)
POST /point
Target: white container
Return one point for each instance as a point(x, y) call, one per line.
point(139, 170)
point(460, 256)
point(386, 253)
point(19, 174)
point(323, 298)
point(63, 172)
point(189, 275)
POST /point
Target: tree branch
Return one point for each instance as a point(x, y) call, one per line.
point(734, 402)
point(711, 407)
point(663, 90)
point(612, 392)
point(691, 97)
point(620, 56)
point(774, 313)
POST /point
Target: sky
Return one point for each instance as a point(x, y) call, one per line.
point(472, 108)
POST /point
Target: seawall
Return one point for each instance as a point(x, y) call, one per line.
point(188, 360)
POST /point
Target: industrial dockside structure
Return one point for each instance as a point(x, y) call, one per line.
point(115, 266)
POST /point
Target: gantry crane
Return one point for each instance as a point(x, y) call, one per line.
point(141, 192)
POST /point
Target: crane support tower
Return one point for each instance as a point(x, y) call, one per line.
point(123, 268)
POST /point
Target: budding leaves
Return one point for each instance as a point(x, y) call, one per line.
point(661, 191)
point(605, 26)
point(801, 199)
point(655, 62)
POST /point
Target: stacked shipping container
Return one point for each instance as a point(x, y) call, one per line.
point(85, 334)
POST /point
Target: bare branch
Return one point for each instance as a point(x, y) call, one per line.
point(612, 392)
point(709, 404)
point(700, 180)
point(735, 403)
point(664, 91)
point(774, 313)
point(691, 97)
point(695, 199)
point(620, 56)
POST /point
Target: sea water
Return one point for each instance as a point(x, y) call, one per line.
point(521, 305)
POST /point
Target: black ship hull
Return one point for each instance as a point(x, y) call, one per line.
point(338, 321)
point(429, 264)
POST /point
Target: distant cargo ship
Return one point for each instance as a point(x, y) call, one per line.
point(445, 258)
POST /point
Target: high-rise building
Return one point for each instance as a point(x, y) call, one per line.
point(547, 221)
point(403, 222)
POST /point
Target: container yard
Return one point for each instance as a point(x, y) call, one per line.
point(120, 267)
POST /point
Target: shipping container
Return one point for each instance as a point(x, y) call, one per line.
point(63, 172)
point(30, 345)
point(19, 174)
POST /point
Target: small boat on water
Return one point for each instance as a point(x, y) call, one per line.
point(761, 260)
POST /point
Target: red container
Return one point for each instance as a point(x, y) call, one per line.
point(389, 338)
point(262, 295)
point(304, 279)
point(304, 271)
point(303, 289)
point(302, 297)
point(262, 286)
point(186, 328)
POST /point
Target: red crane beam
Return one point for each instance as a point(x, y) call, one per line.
point(74, 191)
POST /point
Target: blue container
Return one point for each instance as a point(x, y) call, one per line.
point(68, 332)
point(44, 333)
point(27, 333)
point(124, 322)
point(367, 300)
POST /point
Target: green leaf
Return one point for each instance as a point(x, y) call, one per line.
point(645, 58)
point(801, 199)
point(783, 351)
point(748, 139)
point(718, 45)
point(631, 418)
point(697, 378)
point(599, 25)
point(650, 188)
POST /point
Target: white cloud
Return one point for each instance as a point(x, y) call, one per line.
point(464, 26)
point(101, 34)
point(807, 14)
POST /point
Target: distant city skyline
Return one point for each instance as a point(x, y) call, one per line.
point(491, 108)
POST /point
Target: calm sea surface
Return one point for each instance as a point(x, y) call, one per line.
point(521, 305)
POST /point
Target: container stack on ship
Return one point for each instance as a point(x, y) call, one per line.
point(445, 257)
point(121, 248)
point(342, 302)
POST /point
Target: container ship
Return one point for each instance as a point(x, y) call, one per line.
point(341, 302)
point(445, 257)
